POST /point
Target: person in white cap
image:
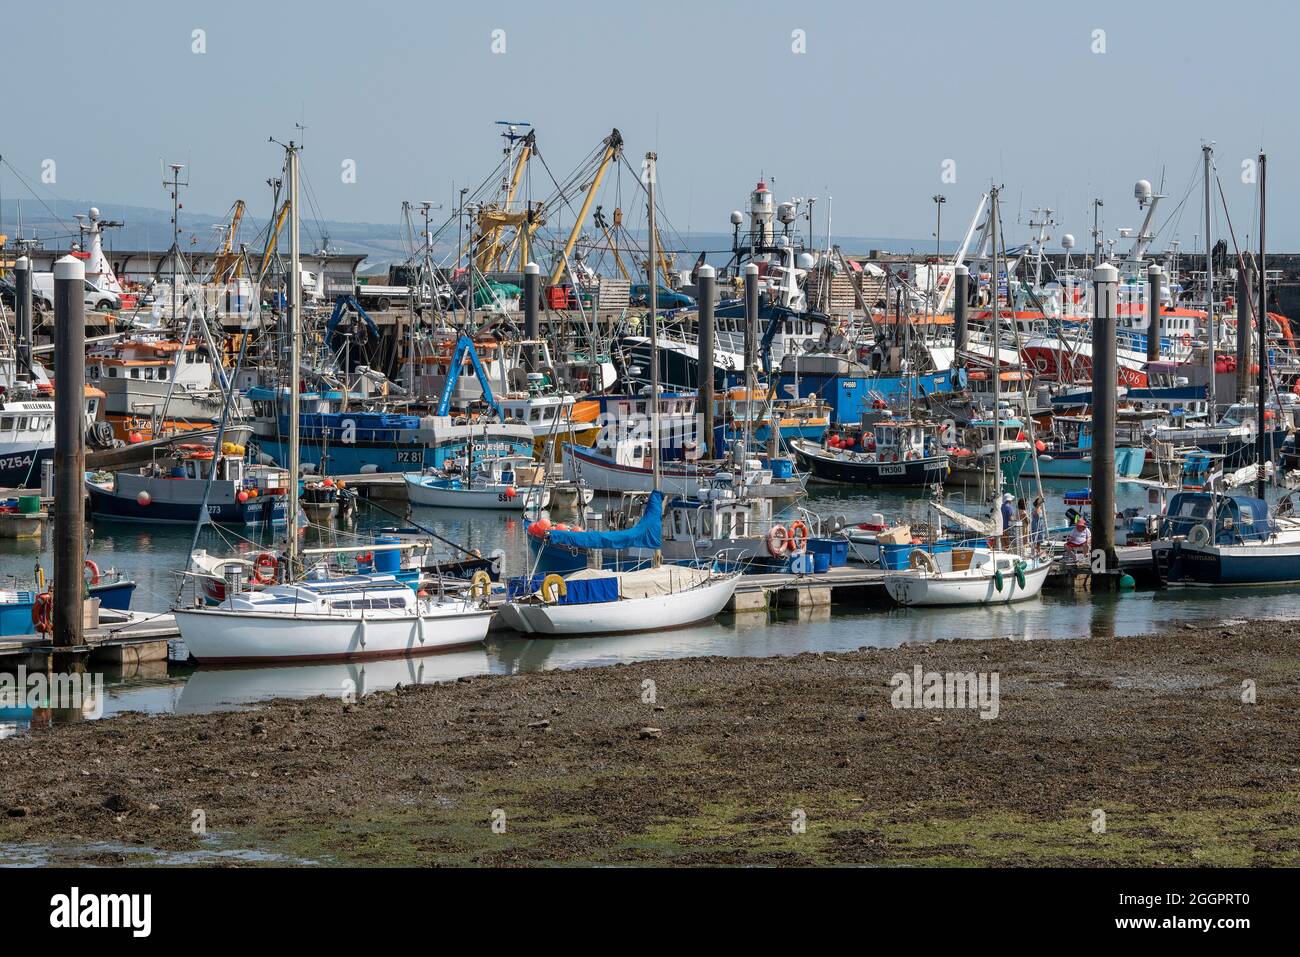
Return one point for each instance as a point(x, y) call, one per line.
point(1008, 518)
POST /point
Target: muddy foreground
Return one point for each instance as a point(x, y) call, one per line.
point(723, 767)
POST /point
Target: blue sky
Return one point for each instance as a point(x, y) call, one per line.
point(882, 97)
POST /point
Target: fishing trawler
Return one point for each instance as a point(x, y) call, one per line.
point(339, 441)
point(175, 488)
point(27, 431)
point(892, 451)
point(152, 383)
point(750, 414)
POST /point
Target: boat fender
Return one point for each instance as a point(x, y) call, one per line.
point(419, 625)
point(1020, 574)
point(92, 572)
point(361, 632)
point(919, 559)
point(798, 536)
point(481, 584)
point(777, 536)
point(997, 580)
point(553, 588)
point(265, 568)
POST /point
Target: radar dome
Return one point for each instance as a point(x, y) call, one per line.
point(1067, 241)
point(736, 217)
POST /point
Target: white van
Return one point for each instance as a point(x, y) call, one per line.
point(97, 299)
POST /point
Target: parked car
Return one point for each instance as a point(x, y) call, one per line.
point(665, 298)
point(9, 296)
point(98, 299)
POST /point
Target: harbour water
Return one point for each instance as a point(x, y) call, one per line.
point(154, 555)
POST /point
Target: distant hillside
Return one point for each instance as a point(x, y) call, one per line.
point(149, 228)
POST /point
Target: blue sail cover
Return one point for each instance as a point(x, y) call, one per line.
point(646, 533)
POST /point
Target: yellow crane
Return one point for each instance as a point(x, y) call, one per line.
point(229, 265)
point(494, 218)
point(613, 144)
point(272, 239)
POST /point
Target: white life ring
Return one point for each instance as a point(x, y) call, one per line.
point(1198, 535)
point(777, 538)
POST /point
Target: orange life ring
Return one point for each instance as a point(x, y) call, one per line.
point(268, 563)
point(43, 613)
point(365, 558)
point(94, 572)
point(1187, 338)
point(777, 537)
point(798, 536)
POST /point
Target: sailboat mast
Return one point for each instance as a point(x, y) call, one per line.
point(1206, 150)
point(652, 258)
point(1261, 317)
point(295, 324)
point(996, 372)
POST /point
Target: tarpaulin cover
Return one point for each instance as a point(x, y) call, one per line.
point(646, 533)
point(582, 591)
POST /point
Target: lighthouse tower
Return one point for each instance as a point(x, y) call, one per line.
point(760, 217)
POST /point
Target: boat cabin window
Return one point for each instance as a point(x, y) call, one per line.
point(1194, 508)
point(354, 604)
point(6, 423)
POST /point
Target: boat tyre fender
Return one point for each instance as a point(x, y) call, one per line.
point(1199, 536)
point(265, 568)
point(43, 613)
point(553, 588)
point(798, 536)
point(481, 584)
point(92, 572)
point(921, 559)
point(777, 537)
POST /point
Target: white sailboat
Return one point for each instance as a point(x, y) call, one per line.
point(355, 617)
point(598, 601)
point(967, 576)
point(360, 616)
point(650, 599)
point(976, 574)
